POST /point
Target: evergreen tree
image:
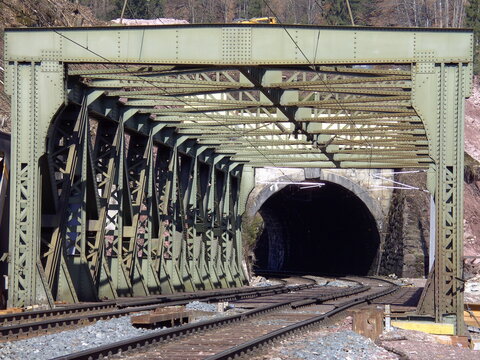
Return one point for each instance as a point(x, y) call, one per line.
point(336, 11)
point(255, 8)
point(472, 20)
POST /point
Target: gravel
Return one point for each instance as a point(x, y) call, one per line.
point(69, 341)
point(101, 333)
point(264, 284)
point(201, 306)
point(260, 281)
point(343, 345)
point(341, 283)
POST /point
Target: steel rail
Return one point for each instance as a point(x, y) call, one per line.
point(33, 323)
point(28, 316)
point(185, 330)
point(255, 344)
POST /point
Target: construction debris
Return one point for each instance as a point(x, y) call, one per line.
point(169, 316)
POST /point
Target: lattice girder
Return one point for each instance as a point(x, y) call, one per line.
point(163, 182)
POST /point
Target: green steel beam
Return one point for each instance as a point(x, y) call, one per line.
point(236, 45)
point(142, 186)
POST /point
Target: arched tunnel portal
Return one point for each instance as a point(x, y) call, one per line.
point(323, 229)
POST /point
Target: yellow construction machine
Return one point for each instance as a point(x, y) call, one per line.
point(258, 20)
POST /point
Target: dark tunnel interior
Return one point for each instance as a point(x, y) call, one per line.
point(326, 230)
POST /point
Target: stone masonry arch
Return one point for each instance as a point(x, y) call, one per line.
point(376, 201)
point(360, 183)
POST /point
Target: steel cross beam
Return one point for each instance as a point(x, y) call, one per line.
point(129, 174)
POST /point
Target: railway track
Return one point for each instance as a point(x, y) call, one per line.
point(33, 323)
point(272, 317)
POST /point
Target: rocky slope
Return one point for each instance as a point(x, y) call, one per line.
point(20, 13)
point(472, 180)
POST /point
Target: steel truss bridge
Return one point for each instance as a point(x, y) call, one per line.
point(133, 148)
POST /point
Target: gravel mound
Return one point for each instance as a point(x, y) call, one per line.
point(341, 283)
point(343, 345)
point(260, 281)
point(66, 342)
point(201, 306)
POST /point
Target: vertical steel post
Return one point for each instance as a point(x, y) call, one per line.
point(33, 108)
point(443, 115)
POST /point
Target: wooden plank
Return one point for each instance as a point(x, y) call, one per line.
point(368, 322)
point(458, 341)
point(167, 316)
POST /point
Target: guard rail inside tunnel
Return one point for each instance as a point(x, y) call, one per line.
point(322, 229)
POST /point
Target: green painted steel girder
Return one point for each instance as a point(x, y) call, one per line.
point(236, 45)
point(149, 159)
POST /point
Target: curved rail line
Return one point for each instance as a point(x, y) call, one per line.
point(255, 344)
point(200, 337)
point(33, 323)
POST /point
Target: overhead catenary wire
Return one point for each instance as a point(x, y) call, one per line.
point(239, 133)
point(133, 13)
point(234, 130)
point(313, 66)
point(182, 100)
point(397, 184)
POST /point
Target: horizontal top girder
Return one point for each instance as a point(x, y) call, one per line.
point(237, 45)
point(249, 87)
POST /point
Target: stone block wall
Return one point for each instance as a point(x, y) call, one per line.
point(405, 249)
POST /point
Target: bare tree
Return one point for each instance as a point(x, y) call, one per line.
point(426, 13)
point(191, 7)
point(313, 10)
point(227, 8)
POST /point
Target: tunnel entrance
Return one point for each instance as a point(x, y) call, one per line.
point(318, 229)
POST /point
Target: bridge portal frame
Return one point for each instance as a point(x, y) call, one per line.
point(35, 60)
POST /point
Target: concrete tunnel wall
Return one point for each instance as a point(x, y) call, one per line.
point(295, 239)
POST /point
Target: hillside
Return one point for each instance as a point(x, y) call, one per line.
point(472, 179)
point(21, 13)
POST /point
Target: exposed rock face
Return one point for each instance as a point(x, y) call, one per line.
point(472, 122)
point(35, 13)
point(405, 250)
point(472, 182)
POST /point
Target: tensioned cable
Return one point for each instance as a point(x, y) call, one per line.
point(369, 145)
point(313, 67)
point(239, 133)
point(166, 92)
